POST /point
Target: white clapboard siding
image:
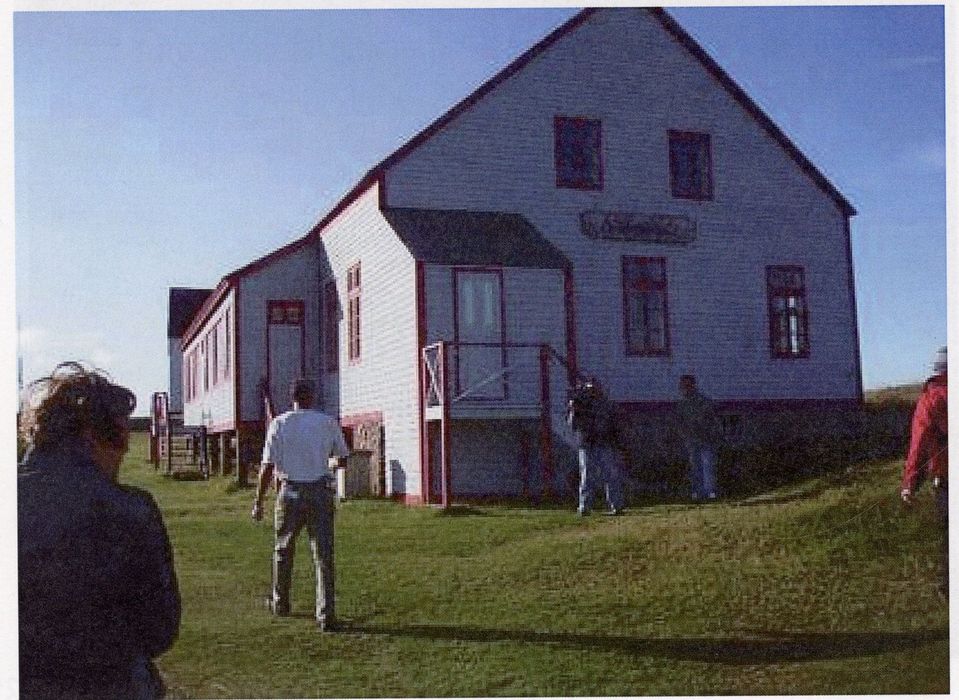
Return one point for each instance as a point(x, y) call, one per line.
point(384, 380)
point(622, 67)
point(212, 407)
point(291, 277)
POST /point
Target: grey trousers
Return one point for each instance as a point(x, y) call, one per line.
point(309, 505)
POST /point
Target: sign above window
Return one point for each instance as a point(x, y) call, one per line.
point(669, 229)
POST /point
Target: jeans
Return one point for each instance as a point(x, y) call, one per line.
point(599, 462)
point(702, 469)
point(299, 505)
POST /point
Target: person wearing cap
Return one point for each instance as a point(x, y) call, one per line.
point(592, 417)
point(928, 455)
point(98, 595)
point(701, 431)
point(297, 451)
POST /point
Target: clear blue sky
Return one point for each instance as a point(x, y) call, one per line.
point(158, 149)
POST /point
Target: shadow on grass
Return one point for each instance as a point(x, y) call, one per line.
point(762, 646)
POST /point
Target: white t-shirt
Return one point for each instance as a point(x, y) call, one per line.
point(299, 444)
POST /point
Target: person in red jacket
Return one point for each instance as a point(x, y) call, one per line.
point(928, 456)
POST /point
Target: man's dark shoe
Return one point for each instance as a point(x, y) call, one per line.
point(328, 626)
point(280, 610)
point(615, 511)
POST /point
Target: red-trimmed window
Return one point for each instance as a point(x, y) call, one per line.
point(645, 307)
point(191, 373)
point(690, 165)
point(331, 327)
point(285, 312)
point(227, 340)
point(353, 311)
point(788, 313)
point(578, 153)
point(215, 359)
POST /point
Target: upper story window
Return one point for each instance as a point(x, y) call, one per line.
point(578, 152)
point(788, 314)
point(645, 308)
point(287, 312)
point(353, 311)
point(690, 165)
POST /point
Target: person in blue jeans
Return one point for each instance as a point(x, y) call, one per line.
point(701, 431)
point(593, 418)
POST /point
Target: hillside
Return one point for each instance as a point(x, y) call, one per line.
point(825, 587)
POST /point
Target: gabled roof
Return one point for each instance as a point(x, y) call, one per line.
point(376, 173)
point(456, 237)
point(184, 303)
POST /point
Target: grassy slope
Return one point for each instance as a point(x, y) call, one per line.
point(827, 589)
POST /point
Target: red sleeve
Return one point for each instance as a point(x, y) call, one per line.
point(921, 439)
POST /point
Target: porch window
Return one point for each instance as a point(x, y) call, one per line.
point(353, 311)
point(788, 313)
point(690, 165)
point(331, 326)
point(578, 153)
point(645, 307)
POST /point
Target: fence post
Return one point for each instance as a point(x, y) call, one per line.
point(204, 455)
point(546, 427)
point(445, 424)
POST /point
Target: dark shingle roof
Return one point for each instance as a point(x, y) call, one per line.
point(455, 237)
point(184, 303)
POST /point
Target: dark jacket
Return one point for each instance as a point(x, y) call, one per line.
point(98, 593)
point(591, 414)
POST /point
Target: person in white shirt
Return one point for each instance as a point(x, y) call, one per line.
point(298, 448)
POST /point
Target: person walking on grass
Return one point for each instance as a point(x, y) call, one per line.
point(702, 433)
point(298, 448)
point(98, 596)
point(593, 418)
point(928, 455)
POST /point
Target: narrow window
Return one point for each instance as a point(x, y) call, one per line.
point(193, 372)
point(690, 165)
point(353, 311)
point(331, 324)
point(205, 351)
point(187, 394)
point(645, 308)
point(578, 153)
point(226, 345)
point(215, 360)
point(788, 314)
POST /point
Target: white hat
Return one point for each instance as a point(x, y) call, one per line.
point(939, 364)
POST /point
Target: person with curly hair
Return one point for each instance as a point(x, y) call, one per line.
point(98, 595)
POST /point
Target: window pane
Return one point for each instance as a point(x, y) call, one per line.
point(578, 157)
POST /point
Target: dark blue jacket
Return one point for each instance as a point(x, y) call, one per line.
point(98, 593)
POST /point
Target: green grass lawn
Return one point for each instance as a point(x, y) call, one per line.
point(825, 587)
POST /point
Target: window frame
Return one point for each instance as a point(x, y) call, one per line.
point(354, 325)
point(773, 292)
point(629, 287)
point(582, 181)
point(703, 138)
point(227, 344)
